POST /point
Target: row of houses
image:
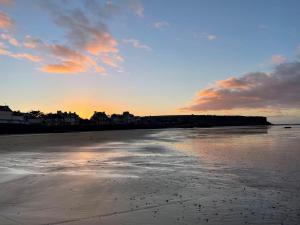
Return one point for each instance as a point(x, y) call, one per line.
point(8, 116)
point(101, 119)
point(60, 118)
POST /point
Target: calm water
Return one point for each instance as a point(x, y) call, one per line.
point(257, 167)
point(271, 154)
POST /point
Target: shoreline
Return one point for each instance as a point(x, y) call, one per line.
point(20, 129)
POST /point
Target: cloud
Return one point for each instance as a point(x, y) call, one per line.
point(105, 10)
point(86, 31)
point(30, 57)
point(211, 37)
point(161, 24)
point(205, 35)
point(103, 43)
point(2, 45)
point(5, 21)
point(112, 61)
point(84, 34)
point(136, 44)
point(298, 51)
point(3, 50)
point(65, 57)
point(137, 7)
point(64, 67)
point(5, 2)
point(66, 54)
point(27, 56)
point(31, 42)
point(88, 45)
point(11, 40)
point(278, 90)
point(110, 8)
point(278, 59)
point(233, 82)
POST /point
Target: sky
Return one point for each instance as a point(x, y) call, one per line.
point(153, 57)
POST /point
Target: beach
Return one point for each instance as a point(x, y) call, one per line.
point(226, 175)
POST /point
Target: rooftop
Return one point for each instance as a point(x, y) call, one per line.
point(5, 108)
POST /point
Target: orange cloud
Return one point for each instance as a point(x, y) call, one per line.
point(89, 41)
point(277, 90)
point(5, 21)
point(4, 52)
point(102, 43)
point(11, 40)
point(69, 55)
point(64, 67)
point(86, 32)
point(68, 59)
point(207, 94)
point(233, 83)
point(64, 52)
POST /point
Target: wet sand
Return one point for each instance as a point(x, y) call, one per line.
point(175, 176)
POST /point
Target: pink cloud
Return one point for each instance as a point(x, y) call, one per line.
point(277, 90)
point(111, 61)
point(278, 59)
point(5, 21)
point(11, 40)
point(30, 57)
point(27, 56)
point(3, 51)
point(5, 2)
point(31, 42)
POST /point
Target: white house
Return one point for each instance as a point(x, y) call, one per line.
point(8, 116)
point(5, 114)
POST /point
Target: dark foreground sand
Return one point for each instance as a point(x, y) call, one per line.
point(176, 176)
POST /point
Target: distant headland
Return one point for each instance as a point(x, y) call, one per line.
point(16, 122)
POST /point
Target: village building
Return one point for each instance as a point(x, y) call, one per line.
point(34, 117)
point(61, 119)
point(10, 117)
point(125, 118)
point(5, 114)
point(100, 118)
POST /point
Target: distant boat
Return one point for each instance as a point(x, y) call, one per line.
point(287, 127)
